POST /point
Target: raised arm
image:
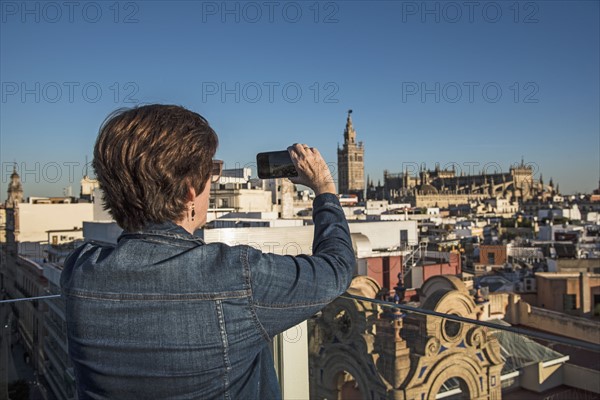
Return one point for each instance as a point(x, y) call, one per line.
point(287, 290)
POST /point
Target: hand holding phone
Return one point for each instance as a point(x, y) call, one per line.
point(302, 164)
point(275, 164)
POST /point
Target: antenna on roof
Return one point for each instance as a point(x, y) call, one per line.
point(86, 165)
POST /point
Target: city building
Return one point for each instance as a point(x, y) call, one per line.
point(358, 349)
point(58, 371)
point(88, 185)
point(39, 233)
point(415, 253)
point(362, 349)
point(569, 293)
point(15, 189)
point(29, 223)
point(24, 278)
point(351, 165)
point(237, 191)
point(445, 187)
point(283, 197)
point(253, 220)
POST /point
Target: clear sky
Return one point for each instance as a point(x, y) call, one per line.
point(479, 84)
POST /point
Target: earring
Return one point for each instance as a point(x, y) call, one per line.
point(193, 211)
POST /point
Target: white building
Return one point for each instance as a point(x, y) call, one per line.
point(42, 222)
point(501, 206)
point(254, 220)
point(236, 190)
point(548, 232)
point(88, 185)
point(35, 219)
point(572, 213)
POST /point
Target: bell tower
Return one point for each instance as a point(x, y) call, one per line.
point(351, 166)
point(15, 189)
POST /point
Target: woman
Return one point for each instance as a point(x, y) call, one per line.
point(164, 315)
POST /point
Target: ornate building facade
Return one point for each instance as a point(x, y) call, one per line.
point(15, 190)
point(359, 350)
point(445, 187)
point(351, 165)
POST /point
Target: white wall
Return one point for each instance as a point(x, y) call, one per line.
point(386, 234)
point(286, 240)
point(572, 213)
point(36, 219)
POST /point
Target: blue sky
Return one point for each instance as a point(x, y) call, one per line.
point(476, 84)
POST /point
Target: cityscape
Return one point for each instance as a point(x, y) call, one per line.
point(463, 139)
point(506, 251)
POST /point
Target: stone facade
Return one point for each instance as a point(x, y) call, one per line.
point(445, 200)
point(358, 349)
point(351, 165)
point(446, 187)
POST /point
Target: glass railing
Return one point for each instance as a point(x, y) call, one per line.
point(448, 345)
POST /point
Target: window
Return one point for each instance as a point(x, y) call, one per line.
point(528, 285)
point(491, 258)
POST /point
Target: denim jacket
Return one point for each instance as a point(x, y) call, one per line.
point(164, 315)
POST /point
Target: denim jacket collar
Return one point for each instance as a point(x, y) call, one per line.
point(166, 229)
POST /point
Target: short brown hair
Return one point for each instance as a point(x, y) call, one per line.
point(146, 159)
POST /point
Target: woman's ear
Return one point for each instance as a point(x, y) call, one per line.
point(191, 194)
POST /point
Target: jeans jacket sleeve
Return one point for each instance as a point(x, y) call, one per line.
point(287, 290)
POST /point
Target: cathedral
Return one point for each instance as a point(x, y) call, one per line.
point(445, 187)
point(351, 164)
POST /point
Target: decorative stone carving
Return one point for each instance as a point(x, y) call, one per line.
point(355, 346)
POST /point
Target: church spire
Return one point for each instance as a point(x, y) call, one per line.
point(15, 189)
point(349, 133)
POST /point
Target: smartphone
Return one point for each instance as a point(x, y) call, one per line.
point(275, 164)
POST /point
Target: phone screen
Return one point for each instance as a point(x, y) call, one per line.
point(275, 164)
